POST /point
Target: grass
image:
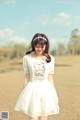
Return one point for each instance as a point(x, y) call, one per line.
point(66, 80)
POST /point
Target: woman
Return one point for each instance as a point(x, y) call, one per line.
point(38, 99)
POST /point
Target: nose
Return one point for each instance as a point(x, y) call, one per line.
point(39, 48)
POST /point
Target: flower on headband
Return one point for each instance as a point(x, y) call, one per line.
point(39, 37)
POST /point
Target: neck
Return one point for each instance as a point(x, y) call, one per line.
point(38, 55)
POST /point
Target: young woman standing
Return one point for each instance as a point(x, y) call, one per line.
point(38, 99)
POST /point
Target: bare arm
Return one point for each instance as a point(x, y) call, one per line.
point(50, 77)
point(27, 76)
point(51, 70)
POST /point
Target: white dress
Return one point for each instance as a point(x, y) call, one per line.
point(39, 97)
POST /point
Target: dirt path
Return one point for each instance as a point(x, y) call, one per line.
point(67, 83)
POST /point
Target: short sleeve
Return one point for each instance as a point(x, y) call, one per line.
point(51, 65)
point(25, 65)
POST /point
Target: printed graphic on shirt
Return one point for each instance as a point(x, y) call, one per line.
point(39, 70)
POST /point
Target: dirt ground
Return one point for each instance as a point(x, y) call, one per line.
point(67, 84)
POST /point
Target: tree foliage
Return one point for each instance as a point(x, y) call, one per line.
point(74, 43)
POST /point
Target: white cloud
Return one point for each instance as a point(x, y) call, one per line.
point(64, 15)
point(77, 18)
point(67, 23)
point(8, 1)
point(76, 21)
point(6, 33)
point(62, 19)
point(17, 39)
point(43, 20)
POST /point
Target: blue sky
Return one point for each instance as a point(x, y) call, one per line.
point(21, 19)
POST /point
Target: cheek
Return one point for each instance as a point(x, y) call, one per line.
point(35, 48)
point(44, 48)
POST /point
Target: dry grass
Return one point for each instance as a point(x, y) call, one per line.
point(66, 80)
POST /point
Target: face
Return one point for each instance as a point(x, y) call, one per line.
point(39, 49)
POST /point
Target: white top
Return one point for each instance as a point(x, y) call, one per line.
point(38, 68)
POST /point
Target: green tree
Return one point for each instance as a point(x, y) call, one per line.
point(74, 43)
point(61, 49)
point(18, 50)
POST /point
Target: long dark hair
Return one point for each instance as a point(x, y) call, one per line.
point(43, 40)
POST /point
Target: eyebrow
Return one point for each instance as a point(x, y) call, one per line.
point(41, 45)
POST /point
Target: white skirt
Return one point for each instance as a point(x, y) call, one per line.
point(38, 98)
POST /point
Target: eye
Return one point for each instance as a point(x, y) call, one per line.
point(39, 46)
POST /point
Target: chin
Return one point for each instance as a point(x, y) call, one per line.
point(39, 53)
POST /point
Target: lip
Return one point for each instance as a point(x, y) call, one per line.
point(39, 51)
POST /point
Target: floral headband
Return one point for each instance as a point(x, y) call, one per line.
point(39, 37)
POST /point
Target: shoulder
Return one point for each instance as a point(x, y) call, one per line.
point(26, 56)
point(52, 57)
